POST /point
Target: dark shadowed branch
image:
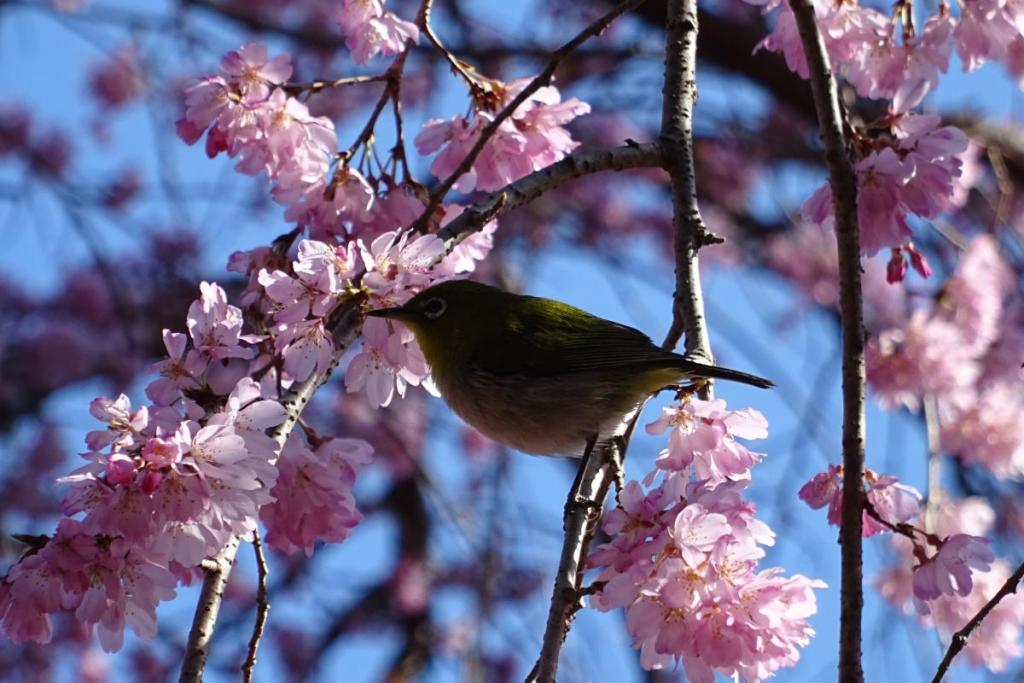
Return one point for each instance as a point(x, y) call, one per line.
point(851, 310)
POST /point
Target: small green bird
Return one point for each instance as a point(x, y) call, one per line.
point(536, 374)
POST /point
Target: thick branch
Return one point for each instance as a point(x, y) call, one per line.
point(680, 94)
point(844, 197)
point(959, 641)
point(582, 515)
point(218, 569)
point(537, 183)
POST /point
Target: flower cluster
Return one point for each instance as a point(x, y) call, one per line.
point(246, 114)
point(313, 495)
point(891, 501)
point(964, 353)
point(168, 484)
point(902, 66)
point(370, 31)
point(942, 565)
point(951, 605)
point(915, 173)
point(683, 559)
point(530, 139)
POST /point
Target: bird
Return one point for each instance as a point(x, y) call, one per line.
point(536, 374)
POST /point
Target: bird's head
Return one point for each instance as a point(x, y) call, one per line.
point(446, 317)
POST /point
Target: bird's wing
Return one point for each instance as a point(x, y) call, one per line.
point(544, 337)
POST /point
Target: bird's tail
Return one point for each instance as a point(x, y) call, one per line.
point(695, 369)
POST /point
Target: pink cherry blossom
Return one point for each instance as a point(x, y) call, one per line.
point(389, 362)
point(892, 501)
point(926, 356)
point(977, 292)
point(702, 437)
point(321, 272)
point(683, 562)
point(985, 32)
point(313, 495)
point(532, 138)
point(370, 31)
point(178, 372)
point(252, 72)
point(124, 427)
point(986, 429)
point(949, 571)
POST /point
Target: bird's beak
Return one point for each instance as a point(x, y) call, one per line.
point(397, 313)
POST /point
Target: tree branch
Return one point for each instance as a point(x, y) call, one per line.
point(542, 79)
point(844, 197)
point(346, 323)
point(262, 608)
point(959, 640)
point(218, 569)
point(676, 138)
point(530, 187)
point(582, 514)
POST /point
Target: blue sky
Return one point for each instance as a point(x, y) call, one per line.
point(41, 64)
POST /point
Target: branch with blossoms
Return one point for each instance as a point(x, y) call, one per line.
point(185, 478)
point(961, 637)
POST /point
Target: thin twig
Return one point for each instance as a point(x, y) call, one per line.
point(262, 607)
point(542, 79)
point(458, 67)
point(316, 86)
point(844, 197)
point(582, 514)
point(959, 641)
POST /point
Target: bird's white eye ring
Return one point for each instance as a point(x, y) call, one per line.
point(434, 308)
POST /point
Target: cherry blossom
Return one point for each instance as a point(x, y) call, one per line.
point(918, 174)
point(949, 571)
point(530, 139)
point(892, 501)
point(702, 438)
point(313, 495)
point(119, 80)
point(683, 561)
point(370, 31)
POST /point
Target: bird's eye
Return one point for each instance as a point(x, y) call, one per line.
point(434, 308)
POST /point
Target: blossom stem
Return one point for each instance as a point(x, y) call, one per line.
point(457, 65)
point(844, 197)
point(959, 640)
point(542, 79)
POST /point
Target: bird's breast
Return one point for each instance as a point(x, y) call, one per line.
point(543, 416)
